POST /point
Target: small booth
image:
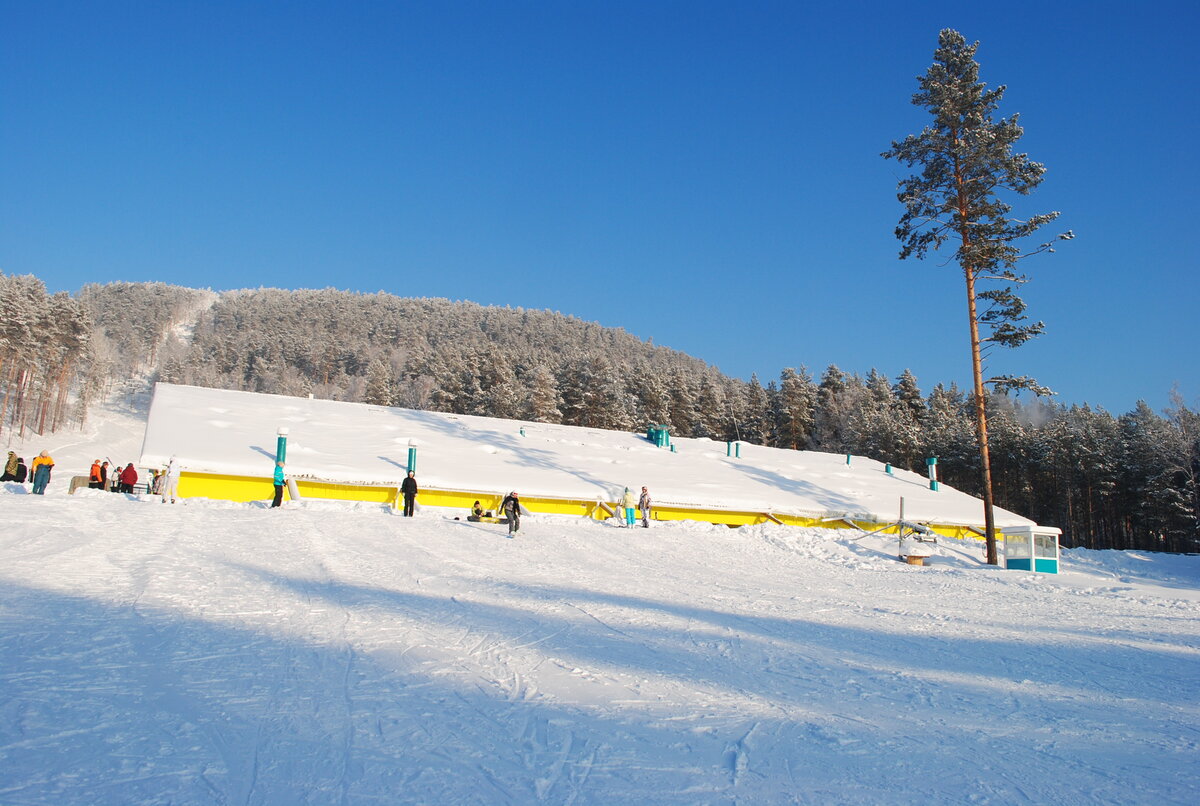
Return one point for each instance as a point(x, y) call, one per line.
point(1031, 548)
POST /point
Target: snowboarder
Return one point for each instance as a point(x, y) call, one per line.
point(22, 471)
point(41, 472)
point(409, 488)
point(170, 480)
point(280, 480)
point(644, 506)
point(476, 513)
point(94, 481)
point(10, 468)
point(627, 503)
point(511, 507)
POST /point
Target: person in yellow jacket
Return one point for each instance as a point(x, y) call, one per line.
point(627, 502)
point(41, 472)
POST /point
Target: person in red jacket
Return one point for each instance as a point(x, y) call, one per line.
point(128, 478)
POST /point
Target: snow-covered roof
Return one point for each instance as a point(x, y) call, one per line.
point(223, 431)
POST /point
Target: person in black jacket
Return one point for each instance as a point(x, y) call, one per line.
point(409, 488)
point(512, 510)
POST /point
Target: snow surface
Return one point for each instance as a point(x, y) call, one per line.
point(219, 430)
point(328, 652)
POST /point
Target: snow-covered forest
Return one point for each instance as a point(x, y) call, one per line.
point(1109, 481)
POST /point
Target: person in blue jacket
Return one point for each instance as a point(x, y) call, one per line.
point(280, 480)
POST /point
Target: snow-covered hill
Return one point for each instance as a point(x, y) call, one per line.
point(225, 431)
point(336, 653)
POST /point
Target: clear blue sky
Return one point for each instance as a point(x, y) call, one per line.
point(705, 174)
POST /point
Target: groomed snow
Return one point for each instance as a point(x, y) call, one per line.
point(217, 430)
point(335, 653)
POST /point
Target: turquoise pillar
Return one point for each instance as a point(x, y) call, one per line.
point(412, 457)
point(281, 444)
point(888, 469)
point(931, 463)
point(847, 459)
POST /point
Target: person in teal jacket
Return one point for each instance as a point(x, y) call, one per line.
point(280, 480)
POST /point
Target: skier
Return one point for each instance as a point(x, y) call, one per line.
point(170, 480)
point(409, 488)
point(511, 507)
point(41, 472)
point(280, 480)
point(10, 468)
point(627, 503)
point(644, 506)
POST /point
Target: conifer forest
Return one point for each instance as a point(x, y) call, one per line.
point(1119, 481)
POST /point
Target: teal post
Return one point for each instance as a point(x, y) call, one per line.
point(888, 469)
point(729, 449)
point(847, 459)
point(412, 457)
point(931, 463)
point(281, 444)
point(737, 450)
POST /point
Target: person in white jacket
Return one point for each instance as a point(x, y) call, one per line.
point(644, 506)
point(170, 482)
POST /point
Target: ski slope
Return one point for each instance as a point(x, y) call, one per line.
point(221, 653)
point(225, 431)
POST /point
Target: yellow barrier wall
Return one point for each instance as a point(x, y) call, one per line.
point(249, 488)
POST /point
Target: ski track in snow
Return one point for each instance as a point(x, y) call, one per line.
point(213, 653)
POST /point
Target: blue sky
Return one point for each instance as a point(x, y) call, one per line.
point(705, 174)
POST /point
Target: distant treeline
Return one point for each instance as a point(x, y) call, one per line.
point(1128, 481)
point(46, 353)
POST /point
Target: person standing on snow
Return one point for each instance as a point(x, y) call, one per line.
point(129, 478)
point(409, 488)
point(170, 480)
point(22, 471)
point(10, 468)
point(41, 472)
point(644, 506)
point(94, 482)
point(627, 503)
point(511, 507)
point(280, 480)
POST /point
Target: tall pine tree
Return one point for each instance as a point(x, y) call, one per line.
point(966, 162)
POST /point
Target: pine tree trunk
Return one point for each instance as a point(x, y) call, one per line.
point(985, 459)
